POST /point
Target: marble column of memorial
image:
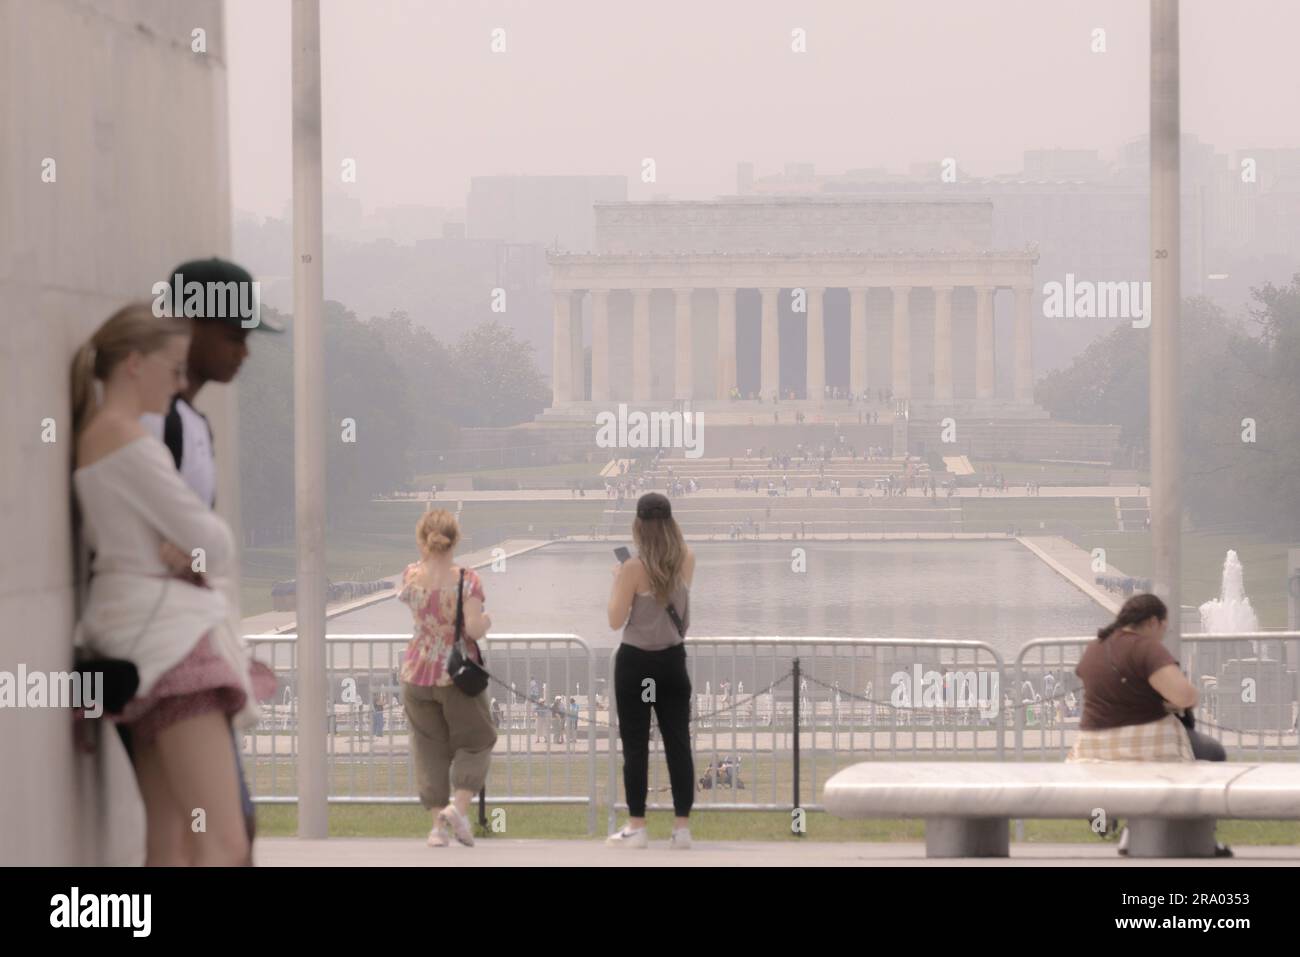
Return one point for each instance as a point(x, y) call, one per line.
point(569, 381)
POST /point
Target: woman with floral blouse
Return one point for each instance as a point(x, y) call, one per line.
point(452, 733)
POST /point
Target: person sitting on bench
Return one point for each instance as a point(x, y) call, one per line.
point(1137, 703)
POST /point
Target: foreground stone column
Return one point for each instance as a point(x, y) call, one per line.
point(600, 345)
point(641, 345)
point(902, 351)
point(770, 377)
point(816, 382)
point(561, 348)
point(943, 343)
point(1024, 299)
point(858, 340)
point(684, 387)
point(726, 342)
point(984, 384)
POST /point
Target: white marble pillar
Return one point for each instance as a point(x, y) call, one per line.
point(641, 345)
point(684, 331)
point(561, 348)
point(858, 340)
point(770, 373)
point(600, 345)
point(816, 381)
point(578, 379)
point(726, 342)
point(902, 345)
point(984, 370)
point(943, 343)
point(1024, 300)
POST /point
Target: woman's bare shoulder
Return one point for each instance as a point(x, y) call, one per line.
point(634, 570)
point(105, 434)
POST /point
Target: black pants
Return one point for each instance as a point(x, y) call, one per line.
point(670, 697)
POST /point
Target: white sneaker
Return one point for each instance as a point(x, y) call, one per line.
point(628, 838)
point(439, 836)
point(681, 839)
point(449, 817)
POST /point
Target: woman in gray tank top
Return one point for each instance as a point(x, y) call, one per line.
point(651, 602)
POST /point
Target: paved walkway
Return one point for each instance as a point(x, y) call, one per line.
point(1074, 565)
point(501, 852)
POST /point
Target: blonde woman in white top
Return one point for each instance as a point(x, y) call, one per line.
point(146, 604)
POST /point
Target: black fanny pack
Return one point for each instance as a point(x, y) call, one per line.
point(121, 679)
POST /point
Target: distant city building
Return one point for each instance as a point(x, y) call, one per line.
point(553, 211)
point(1090, 218)
point(345, 218)
point(1064, 164)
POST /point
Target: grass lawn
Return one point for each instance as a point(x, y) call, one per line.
point(1203, 554)
point(1061, 473)
point(526, 474)
point(560, 822)
point(569, 775)
point(995, 514)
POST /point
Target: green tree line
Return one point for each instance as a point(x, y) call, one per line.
point(1240, 393)
point(405, 390)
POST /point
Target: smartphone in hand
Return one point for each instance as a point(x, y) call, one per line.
point(622, 554)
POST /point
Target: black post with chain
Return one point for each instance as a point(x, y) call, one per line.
point(795, 696)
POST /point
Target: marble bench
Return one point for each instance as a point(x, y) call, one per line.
point(968, 806)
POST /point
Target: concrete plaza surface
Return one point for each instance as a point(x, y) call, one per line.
point(500, 852)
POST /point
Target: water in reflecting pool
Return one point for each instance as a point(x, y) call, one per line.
point(992, 591)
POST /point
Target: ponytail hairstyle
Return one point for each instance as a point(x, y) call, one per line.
point(1135, 611)
point(659, 543)
point(132, 328)
point(437, 531)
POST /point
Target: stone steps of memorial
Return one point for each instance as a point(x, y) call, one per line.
point(688, 467)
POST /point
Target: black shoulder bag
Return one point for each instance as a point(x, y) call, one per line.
point(466, 673)
point(121, 677)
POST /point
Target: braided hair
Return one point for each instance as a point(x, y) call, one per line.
point(1133, 612)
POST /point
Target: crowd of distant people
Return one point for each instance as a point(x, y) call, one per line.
point(829, 393)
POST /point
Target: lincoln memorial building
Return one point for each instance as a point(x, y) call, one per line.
point(796, 296)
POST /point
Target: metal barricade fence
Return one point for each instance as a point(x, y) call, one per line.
point(1047, 720)
point(538, 760)
point(1248, 682)
point(1249, 686)
point(859, 699)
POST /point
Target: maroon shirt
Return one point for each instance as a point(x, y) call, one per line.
point(1116, 676)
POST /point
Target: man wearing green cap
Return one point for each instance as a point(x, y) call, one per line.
point(224, 304)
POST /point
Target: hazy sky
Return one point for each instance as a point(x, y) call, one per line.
point(413, 92)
